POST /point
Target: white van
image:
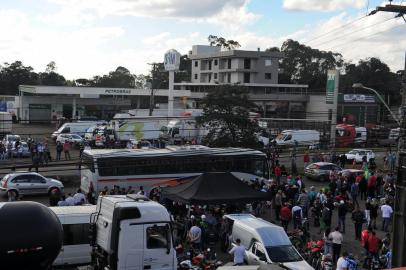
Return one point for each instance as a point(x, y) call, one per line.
point(76, 249)
point(302, 137)
point(360, 135)
point(264, 242)
point(78, 128)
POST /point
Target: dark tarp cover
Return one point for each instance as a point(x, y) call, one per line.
point(214, 188)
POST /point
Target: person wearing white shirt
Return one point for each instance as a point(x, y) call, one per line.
point(297, 215)
point(386, 216)
point(337, 239)
point(239, 253)
point(342, 263)
point(79, 198)
point(69, 200)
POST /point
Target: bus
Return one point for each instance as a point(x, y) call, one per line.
point(151, 167)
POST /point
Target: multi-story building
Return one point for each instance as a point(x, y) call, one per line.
point(257, 70)
point(211, 65)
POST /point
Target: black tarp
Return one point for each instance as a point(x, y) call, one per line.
point(214, 188)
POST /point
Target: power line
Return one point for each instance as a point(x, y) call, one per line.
point(335, 29)
point(353, 32)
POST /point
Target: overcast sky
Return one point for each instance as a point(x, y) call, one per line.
point(93, 37)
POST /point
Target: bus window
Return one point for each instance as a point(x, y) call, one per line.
point(75, 234)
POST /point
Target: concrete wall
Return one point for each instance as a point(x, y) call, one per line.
point(317, 108)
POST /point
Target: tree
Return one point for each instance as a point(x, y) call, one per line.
point(223, 43)
point(50, 77)
point(304, 65)
point(120, 78)
point(226, 114)
point(15, 74)
point(372, 73)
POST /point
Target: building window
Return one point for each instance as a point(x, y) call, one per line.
point(210, 77)
point(247, 63)
point(247, 77)
point(215, 76)
point(268, 62)
point(195, 76)
point(210, 64)
point(228, 77)
point(158, 237)
point(196, 63)
point(268, 76)
point(215, 62)
point(229, 64)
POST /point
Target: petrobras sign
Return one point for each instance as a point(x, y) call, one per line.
point(359, 98)
point(117, 91)
point(171, 60)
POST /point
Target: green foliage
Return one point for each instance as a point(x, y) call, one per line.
point(304, 65)
point(372, 73)
point(223, 43)
point(226, 114)
point(120, 78)
point(14, 74)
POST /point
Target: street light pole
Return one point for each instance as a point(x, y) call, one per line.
point(359, 85)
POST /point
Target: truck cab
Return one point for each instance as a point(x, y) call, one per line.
point(131, 232)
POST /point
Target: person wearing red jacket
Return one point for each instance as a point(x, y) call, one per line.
point(371, 185)
point(373, 244)
point(285, 216)
point(364, 239)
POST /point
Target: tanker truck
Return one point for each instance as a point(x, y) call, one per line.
point(31, 236)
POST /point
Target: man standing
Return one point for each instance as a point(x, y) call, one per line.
point(358, 217)
point(342, 212)
point(239, 253)
point(337, 239)
point(278, 173)
point(286, 216)
point(66, 149)
point(373, 244)
point(59, 149)
point(304, 202)
point(306, 159)
point(297, 215)
point(354, 193)
point(386, 216)
point(278, 204)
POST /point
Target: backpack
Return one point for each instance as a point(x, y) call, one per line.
point(352, 264)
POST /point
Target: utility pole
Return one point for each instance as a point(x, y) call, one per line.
point(399, 217)
point(153, 86)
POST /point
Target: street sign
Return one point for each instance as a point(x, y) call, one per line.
point(172, 60)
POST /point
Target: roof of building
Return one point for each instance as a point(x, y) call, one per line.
point(236, 53)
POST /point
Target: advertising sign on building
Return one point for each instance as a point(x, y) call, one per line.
point(332, 77)
point(350, 98)
point(172, 60)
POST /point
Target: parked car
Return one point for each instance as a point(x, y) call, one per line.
point(29, 183)
point(71, 138)
point(320, 170)
point(11, 138)
point(352, 172)
point(24, 150)
point(359, 154)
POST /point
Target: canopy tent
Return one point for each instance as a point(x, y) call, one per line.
point(214, 188)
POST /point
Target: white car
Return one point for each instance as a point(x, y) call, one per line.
point(359, 154)
point(71, 138)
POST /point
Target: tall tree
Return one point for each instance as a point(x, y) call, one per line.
point(14, 74)
point(226, 114)
point(372, 73)
point(304, 65)
point(120, 78)
point(50, 76)
point(223, 43)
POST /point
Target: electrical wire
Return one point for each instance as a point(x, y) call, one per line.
point(335, 29)
point(353, 32)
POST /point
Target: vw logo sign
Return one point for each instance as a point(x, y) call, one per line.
point(171, 60)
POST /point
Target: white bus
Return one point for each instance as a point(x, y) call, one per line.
point(161, 167)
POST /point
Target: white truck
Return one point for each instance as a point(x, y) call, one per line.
point(130, 233)
point(134, 128)
point(298, 137)
point(185, 129)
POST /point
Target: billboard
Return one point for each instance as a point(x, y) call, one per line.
point(172, 60)
point(351, 98)
point(332, 85)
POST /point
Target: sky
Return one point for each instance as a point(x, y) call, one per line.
point(92, 37)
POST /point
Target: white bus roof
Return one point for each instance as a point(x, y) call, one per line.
point(171, 151)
